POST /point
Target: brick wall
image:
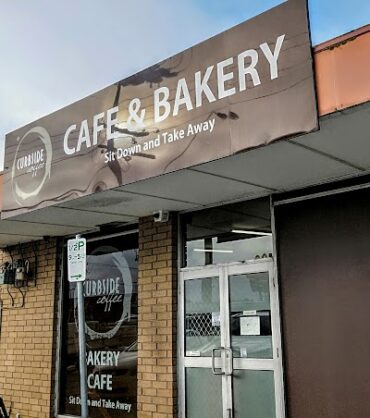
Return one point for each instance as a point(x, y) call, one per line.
point(27, 334)
point(26, 337)
point(157, 397)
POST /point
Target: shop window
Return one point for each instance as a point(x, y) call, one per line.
point(230, 233)
point(111, 331)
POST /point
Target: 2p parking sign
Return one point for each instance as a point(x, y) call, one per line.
point(76, 256)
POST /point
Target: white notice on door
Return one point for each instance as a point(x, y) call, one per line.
point(250, 313)
point(243, 352)
point(215, 319)
point(193, 354)
point(250, 325)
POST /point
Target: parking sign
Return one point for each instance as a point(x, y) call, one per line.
point(76, 255)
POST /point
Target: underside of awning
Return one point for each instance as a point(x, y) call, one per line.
point(340, 150)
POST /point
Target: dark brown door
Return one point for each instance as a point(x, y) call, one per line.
point(324, 263)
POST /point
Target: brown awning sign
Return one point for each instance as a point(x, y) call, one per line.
point(244, 88)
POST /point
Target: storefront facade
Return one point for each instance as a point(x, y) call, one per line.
point(227, 236)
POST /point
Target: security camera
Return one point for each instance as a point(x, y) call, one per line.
point(161, 216)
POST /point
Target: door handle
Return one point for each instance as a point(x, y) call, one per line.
point(229, 367)
point(229, 413)
point(214, 370)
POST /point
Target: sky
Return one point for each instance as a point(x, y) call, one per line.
point(56, 52)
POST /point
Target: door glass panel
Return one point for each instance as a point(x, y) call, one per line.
point(203, 394)
point(250, 315)
point(254, 394)
point(202, 316)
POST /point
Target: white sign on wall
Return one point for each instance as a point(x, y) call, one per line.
point(76, 256)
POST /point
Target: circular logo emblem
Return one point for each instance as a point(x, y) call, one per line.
point(32, 164)
point(108, 293)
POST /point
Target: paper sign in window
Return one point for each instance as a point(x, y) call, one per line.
point(193, 354)
point(243, 352)
point(250, 313)
point(250, 325)
point(215, 319)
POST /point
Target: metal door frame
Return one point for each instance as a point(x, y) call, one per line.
point(223, 271)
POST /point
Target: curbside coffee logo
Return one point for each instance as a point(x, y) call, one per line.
point(108, 293)
point(32, 164)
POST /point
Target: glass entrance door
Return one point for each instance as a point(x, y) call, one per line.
point(230, 352)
